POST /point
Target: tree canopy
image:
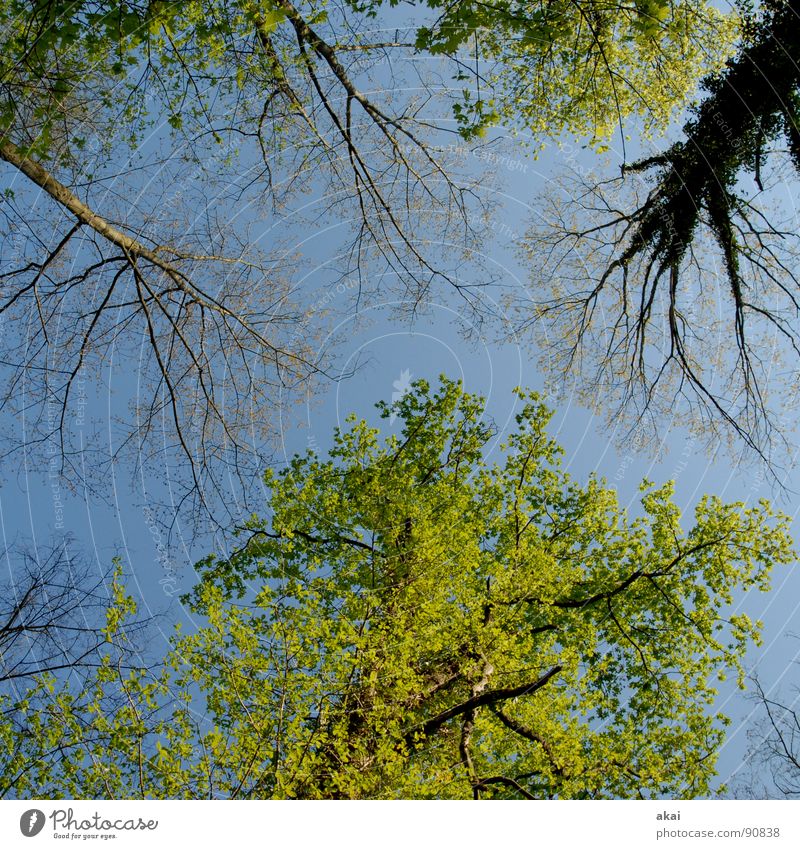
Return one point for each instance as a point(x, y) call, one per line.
point(581, 66)
point(426, 614)
point(154, 149)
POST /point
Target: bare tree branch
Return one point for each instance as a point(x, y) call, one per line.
point(675, 289)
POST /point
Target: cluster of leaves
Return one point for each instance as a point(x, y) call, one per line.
point(415, 621)
point(67, 64)
point(581, 67)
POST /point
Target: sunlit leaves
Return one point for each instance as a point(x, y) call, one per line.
point(415, 620)
point(582, 67)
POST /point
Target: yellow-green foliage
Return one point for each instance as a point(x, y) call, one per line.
point(414, 621)
point(580, 66)
point(73, 70)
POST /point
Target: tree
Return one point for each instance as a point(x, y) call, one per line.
point(254, 104)
point(50, 604)
point(774, 753)
point(416, 620)
point(776, 747)
point(677, 288)
point(52, 617)
point(584, 67)
point(56, 641)
point(175, 276)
